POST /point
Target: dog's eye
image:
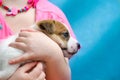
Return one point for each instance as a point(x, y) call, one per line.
point(65, 34)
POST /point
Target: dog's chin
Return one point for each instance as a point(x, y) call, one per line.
point(67, 54)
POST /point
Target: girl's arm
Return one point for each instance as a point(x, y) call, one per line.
point(37, 46)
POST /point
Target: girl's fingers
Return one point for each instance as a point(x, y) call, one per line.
point(19, 45)
point(27, 67)
point(24, 34)
point(41, 76)
point(37, 70)
point(21, 39)
point(23, 58)
point(29, 30)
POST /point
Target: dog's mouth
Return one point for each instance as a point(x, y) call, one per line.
point(64, 48)
point(67, 54)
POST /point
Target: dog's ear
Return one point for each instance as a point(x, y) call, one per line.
point(47, 27)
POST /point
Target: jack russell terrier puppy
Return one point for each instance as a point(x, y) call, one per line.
point(57, 31)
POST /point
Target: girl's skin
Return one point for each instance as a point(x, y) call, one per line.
point(23, 72)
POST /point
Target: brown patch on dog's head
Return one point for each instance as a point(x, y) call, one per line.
point(59, 33)
point(56, 31)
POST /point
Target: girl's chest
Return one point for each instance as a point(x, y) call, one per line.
point(22, 20)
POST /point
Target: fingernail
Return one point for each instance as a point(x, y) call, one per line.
point(11, 44)
point(21, 30)
point(11, 61)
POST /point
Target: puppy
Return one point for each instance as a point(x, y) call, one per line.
point(57, 31)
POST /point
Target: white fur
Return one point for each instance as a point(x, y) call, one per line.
point(7, 53)
point(72, 46)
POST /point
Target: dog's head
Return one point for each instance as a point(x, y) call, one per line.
point(60, 34)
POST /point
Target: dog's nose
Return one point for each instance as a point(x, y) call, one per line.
point(78, 45)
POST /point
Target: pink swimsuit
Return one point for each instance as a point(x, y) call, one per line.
point(44, 10)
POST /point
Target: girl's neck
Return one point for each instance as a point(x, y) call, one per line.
point(15, 3)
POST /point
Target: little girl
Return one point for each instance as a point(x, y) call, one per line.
point(18, 14)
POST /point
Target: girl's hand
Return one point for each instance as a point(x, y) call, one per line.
point(24, 73)
point(36, 45)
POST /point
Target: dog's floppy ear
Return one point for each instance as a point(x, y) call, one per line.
point(46, 27)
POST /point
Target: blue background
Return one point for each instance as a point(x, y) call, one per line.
point(96, 24)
